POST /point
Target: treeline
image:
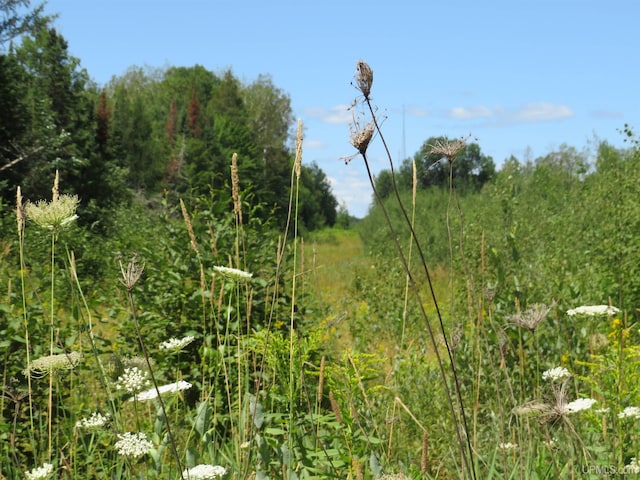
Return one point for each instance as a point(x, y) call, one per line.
point(562, 226)
point(151, 134)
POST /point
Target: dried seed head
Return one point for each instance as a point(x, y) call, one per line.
point(297, 165)
point(235, 188)
point(532, 316)
point(132, 273)
point(187, 221)
point(20, 215)
point(360, 138)
point(364, 78)
point(448, 148)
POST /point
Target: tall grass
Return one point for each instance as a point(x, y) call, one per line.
point(214, 347)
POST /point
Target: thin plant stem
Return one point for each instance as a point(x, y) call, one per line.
point(465, 455)
point(172, 442)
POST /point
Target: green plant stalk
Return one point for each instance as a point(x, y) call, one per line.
point(51, 340)
point(25, 318)
point(172, 442)
point(464, 453)
point(94, 347)
point(291, 321)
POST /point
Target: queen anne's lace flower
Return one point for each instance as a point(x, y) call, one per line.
point(580, 404)
point(204, 472)
point(593, 310)
point(630, 412)
point(233, 274)
point(556, 374)
point(506, 446)
point(52, 363)
point(176, 344)
point(94, 422)
point(40, 473)
point(132, 380)
point(54, 215)
point(133, 444)
point(152, 393)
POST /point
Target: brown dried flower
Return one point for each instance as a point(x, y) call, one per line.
point(532, 316)
point(132, 273)
point(361, 137)
point(448, 148)
point(364, 78)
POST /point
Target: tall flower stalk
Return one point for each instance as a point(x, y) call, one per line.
point(53, 216)
point(361, 137)
point(130, 276)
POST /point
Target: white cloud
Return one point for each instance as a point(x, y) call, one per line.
point(339, 114)
point(467, 113)
point(353, 190)
point(540, 112)
point(531, 112)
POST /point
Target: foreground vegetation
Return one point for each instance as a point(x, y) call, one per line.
point(476, 324)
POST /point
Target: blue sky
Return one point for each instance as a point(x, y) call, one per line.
point(521, 77)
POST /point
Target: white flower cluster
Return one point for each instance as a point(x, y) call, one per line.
point(556, 374)
point(56, 214)
point(633, 467)
point(233, 274)
point(176, 344)
point(133, 444)
point(95, 421)
point(204, 472)
point(579, 405)
point(52, 363)
point(506, 446)
point(151, 393)
point(630, 412)
point(132, 380)
point(593, 310)
point(40, 473)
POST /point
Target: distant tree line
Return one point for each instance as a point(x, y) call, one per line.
point(150, 133)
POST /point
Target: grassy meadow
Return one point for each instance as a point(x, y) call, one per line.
point(485, 336)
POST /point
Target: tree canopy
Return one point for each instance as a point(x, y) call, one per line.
point(167, 132)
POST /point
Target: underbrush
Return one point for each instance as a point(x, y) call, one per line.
point(191, 343)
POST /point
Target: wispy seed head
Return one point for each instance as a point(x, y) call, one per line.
point(360, 138)
point(364, 78)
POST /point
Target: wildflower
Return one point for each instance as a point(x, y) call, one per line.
point(506, 446)
point(532, 316)
point(132, 380)
point(94, 422)
point(633, 467)
point(630, 412)
point(40, 473)
point(556, 374)
point(204, 472)
point(52, 363)
point(153, 393)
point(54, 215)
point(176, 344)
point(593, 310)
point(133, 444)
point(579, 405)
point(233, 274)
